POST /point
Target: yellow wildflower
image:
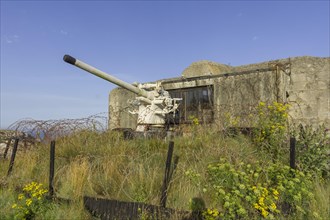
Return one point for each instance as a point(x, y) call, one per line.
point(28, 202)
point(20, 196)
point(272, 207)
point(261, 201)
point(264, 191)
point(264, 213)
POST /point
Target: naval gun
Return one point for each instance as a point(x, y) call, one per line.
point(155, 108)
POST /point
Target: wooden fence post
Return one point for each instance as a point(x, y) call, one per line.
point(51, 169)
point(293, 152)
point(167, 174)
point(7, 147)
point(13, 155)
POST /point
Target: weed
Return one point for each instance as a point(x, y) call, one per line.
point(313, 150)
point(272, 130)
point(31, 202)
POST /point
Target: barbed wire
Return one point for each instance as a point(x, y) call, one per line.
point(53, 129)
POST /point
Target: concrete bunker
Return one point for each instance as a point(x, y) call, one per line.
point(211, 91)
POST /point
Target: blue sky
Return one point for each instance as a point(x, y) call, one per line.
point(138, 41)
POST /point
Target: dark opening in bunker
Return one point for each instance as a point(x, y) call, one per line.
point(197, 103)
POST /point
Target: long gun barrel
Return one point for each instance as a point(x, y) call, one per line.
point(71, 60)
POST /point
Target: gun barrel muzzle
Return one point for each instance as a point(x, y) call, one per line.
point(71, 60)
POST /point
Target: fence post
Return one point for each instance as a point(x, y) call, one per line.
point(7, 147)
point(167, 174)
point(293, 152)
point(13, 155)
point(51, 169)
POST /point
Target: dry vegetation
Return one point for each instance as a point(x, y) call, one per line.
point(103, 164)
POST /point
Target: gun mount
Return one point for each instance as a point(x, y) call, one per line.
point(155, 107)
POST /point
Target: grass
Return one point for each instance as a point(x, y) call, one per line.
point(106, 165)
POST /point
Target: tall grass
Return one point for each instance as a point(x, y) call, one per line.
point(105, 165)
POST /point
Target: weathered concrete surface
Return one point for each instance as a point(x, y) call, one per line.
point(308, 89)
point(302, 82)
point(238, 96)
point(119, 117)
point(205, 67)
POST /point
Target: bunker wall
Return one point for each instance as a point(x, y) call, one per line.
point(119, 116)
point(308, 90)
point(302, 82)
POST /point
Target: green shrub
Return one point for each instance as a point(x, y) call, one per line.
point(248, 190)
point(271, 129)
point(313, 150)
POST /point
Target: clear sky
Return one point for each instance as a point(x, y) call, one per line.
point(138, 41)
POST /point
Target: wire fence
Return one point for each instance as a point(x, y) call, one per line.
point(46, 130)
